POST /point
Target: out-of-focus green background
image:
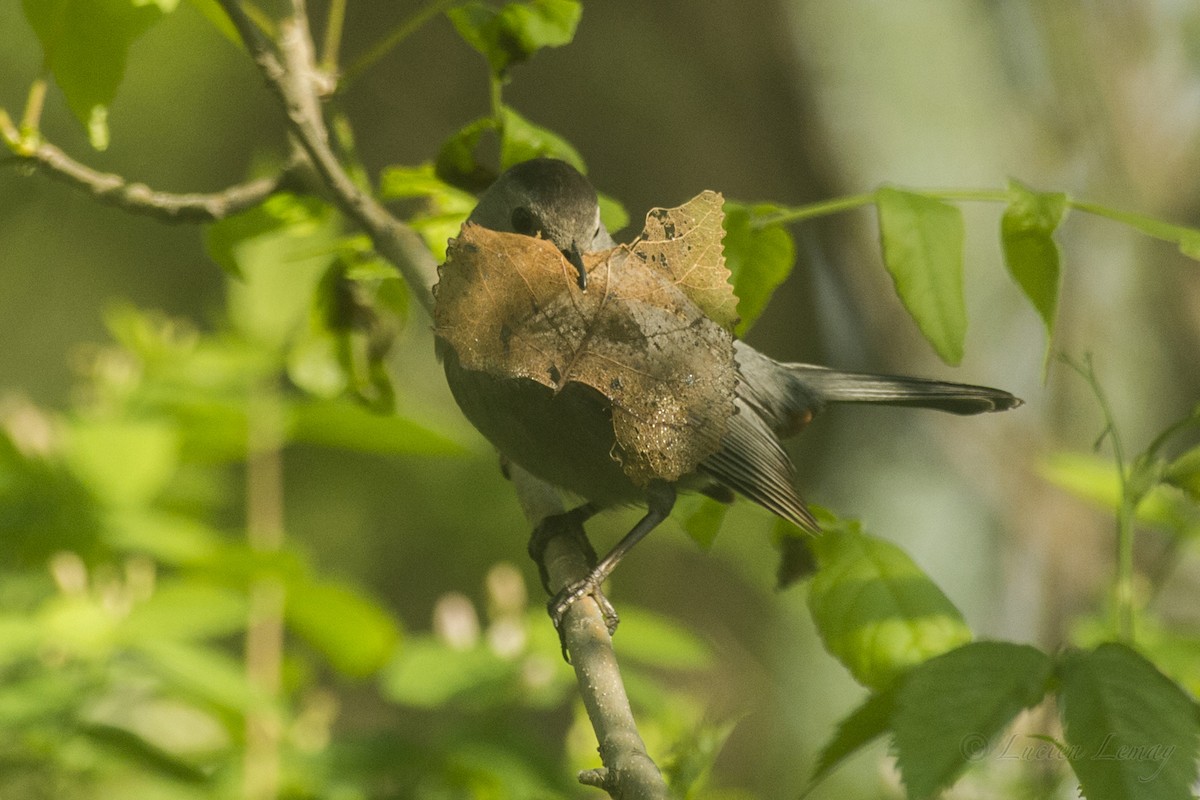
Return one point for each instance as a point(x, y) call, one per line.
point(782, 101)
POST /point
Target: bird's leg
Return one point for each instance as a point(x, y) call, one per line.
point(569, 523)
point(660, 499)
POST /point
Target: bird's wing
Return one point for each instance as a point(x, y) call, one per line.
point(753, 463)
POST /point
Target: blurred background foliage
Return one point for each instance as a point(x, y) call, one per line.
point(404, 556)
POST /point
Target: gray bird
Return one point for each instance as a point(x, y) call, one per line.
point(566, 437)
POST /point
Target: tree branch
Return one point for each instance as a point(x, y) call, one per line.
point(300, 85)
point(138, 198)
point(628, 771)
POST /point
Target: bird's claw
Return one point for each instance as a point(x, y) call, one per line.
point(568, 596)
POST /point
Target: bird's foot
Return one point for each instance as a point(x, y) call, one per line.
point(572, 593)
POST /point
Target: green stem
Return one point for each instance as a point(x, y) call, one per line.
point(1150, 226)
point(34, 105)
point(496, 96)
point(398, 35)
point(839, 204)
point(821, 209)
point(330, 49)
point(1123, 594)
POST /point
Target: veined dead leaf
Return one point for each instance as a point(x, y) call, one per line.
point(651, 333)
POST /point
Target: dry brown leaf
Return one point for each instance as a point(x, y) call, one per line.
point(511, 306)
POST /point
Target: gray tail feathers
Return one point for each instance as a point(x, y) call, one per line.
point(832, 386)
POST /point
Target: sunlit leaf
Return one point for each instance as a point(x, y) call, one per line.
point(512, 33)
point(187, 609)
point(123, 462)
point(1095, 479)
point(876, 611)
point(759, 258)
point(521, 140)
point(612, 213)
point(923, 250)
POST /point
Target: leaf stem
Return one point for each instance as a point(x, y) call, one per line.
point(398, 35)
point(331, 47)
point(1148, 225)
point(821, 209)
point(1123, 594)
point(34, 104)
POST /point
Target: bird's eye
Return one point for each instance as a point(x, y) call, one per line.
point(524, 222)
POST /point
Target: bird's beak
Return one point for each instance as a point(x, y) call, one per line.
point(573, 255)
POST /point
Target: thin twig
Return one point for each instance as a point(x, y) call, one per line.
point(115, 190)
point(628, 771)
point(399, 34)
point(34, 104)
point(334, 21)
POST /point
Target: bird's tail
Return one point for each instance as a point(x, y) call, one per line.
point(832, 386)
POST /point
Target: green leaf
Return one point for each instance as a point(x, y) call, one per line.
point(422, 182)
point(186, 609)
point(875, 610)
point(865, 724)
point(612, 213)
point(456, 162)
point(759, 258)
point(691, 761)
point(201, 671)
point(1130, 731)
point(701, 518)
point(313, 364)
point(445, 206)
point(86, 43)
point(143, 755)
point(44, 508)
point(20, 638)
point(659, 641)
point(949, 709)
point(1030, 252)
point(513, 33)
point(922, 249)
point(123, 462)
point(279, 250)
point(340, 423)
point(1184, 472)
point(431, 674)
point(175, 539)
point(211, 10)
point(1095, 479)
point(521, 140)
point(354, 633)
